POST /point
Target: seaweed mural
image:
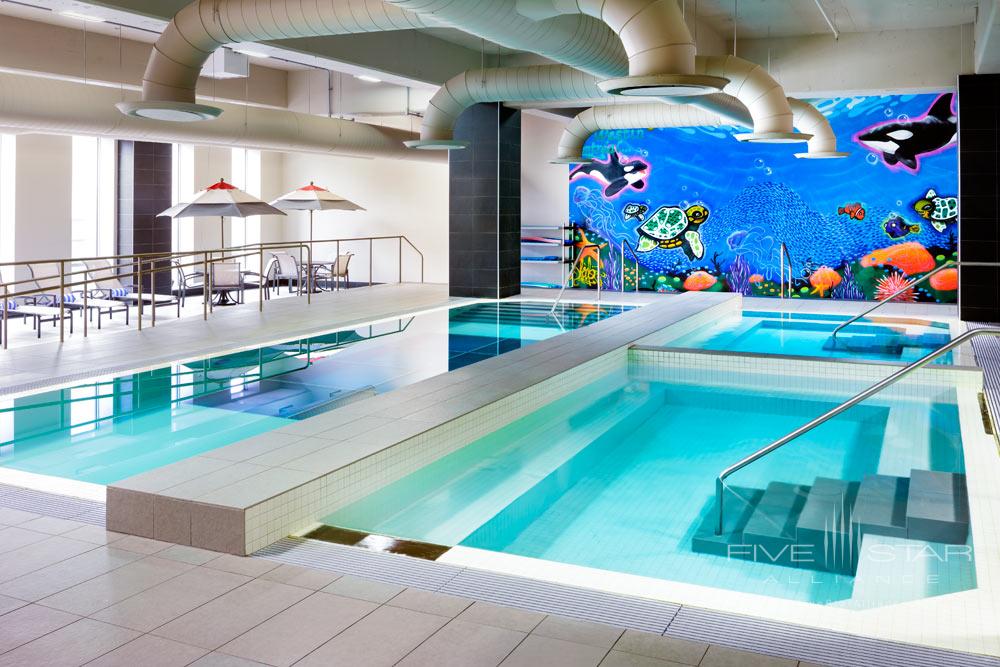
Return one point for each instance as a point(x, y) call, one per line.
point(685, 209)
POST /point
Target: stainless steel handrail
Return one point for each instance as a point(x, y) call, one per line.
point(782, 254)
point(867, 393)
point(573, 267)
point(628, 244)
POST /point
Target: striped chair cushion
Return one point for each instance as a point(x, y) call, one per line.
point(11, 305)
point(118, 291)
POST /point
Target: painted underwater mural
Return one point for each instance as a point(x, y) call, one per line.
point(694, 209)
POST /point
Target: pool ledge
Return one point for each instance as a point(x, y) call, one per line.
point(245, 496)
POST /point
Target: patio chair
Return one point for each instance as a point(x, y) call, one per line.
point(185, 281)
point(337, 271)
point(227, 279)
point(108, 286)
point(288, 270)
point(253, 280)
point(46, 277)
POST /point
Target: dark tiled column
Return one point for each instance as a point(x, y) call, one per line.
point(979, 195)
point(144, 175)
point(484, 243)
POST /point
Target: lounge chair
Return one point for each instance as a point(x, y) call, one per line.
point(46, 277)
point(108, 286)
point(37, 315)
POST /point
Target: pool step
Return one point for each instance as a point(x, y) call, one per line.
point(820, 527)
point(883, 343)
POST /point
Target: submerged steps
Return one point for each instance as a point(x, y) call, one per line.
point(820, 527)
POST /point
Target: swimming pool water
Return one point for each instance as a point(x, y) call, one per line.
point(620, 475)
point(106, 431)
point(807, 334)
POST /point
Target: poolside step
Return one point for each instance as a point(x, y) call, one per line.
point(772, 526)
point(740, 504)
point(881, 505)
point(937, 508)
point(826, 537)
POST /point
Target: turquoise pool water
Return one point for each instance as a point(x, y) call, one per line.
point(620, 476)
point(106, 431)
point(805, 334)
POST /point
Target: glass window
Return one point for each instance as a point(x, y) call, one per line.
point(8, 157)
point(182, 189)
point(93, 197)
point(246, 176)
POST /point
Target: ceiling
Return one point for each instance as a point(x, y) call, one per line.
point(788, 18)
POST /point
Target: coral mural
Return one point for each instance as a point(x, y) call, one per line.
point(683, 209)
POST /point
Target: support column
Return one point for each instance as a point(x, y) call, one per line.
point(484, 241)
point(979, 195)
point(144, 179)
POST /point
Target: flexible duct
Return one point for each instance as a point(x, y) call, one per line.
point(809, 119)
point(625, 116)
point(46, 105)
point(658, 44)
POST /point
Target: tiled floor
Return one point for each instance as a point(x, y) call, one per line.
point(74, 594)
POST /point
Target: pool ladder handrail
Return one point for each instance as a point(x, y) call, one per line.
point(908, 286)
point(573, 268)
point(782, 254)
point(628, 244)
point(822, 419)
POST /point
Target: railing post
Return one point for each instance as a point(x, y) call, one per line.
point(204, 287)
point(400, 239)
point(309, 276)
point(338, 265)
point(6, 304)
point(370, 251)
point(209, 281)
point(86, 310)
point(62, 300)
point(139, 293)
point(153, 270)
point(623, 268)
point(260, 279)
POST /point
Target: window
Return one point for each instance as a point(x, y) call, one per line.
point(93, 197)
point(246, 176)
point(8, 156)
point(182, 189)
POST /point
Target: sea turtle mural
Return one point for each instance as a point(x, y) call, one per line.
point(671, 227)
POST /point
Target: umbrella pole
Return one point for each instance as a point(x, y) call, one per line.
point(222, 232)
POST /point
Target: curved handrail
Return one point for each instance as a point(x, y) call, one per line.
point(867, 393)
point(909, 285)
point(782, 255)
point(410, 243)
point(573, 267)
point(628, 244)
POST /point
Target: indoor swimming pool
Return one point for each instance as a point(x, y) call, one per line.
point(619, 476)
point(898, 339)
point(102, 432)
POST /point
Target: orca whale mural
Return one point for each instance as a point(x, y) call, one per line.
point(684, 209)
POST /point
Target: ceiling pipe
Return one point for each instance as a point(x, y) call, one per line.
point(625, 116)
point(809, 119)
point(50, 106)
point(168, 85)
point(660, 50)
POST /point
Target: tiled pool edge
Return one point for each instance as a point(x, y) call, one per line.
point(241, 515)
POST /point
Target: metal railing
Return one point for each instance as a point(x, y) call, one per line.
point(720, 481)
point(628, 244)
point(784, 254)
point(143, 268)
point(572, 268)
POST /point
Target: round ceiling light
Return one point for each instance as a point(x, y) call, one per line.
point(773, 137)
point(664, 85)
point(175, 112)
point(436, 144)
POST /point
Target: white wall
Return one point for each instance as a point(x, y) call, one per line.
point(544, 186)
point(401, 197)
point(43, 197)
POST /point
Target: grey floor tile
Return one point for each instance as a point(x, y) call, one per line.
point(378, 640)
point(52, 525)
point(12, 517)
point(150, 651)
point(107, 589)
point(300, 629)
point(186, 554)
point(49, 551)
point(304, 577)
point(171, 599)
point(69, 646)
point(142, 545)
point(93, 534)
point(502, 617)
point(364, 589)
point(12, 537)
point(8, 604)
point(55, 578)
point(583, 632)
point(430, 602)
point(223, 660)
point(251, 567)
point(623, 659)
point(664, 648)
point(29, 623)
point(536, 650)
point(229, 616)
point(720, 656)
point(464, 644)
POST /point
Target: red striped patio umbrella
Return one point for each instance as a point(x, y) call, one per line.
point(314, 198)
point(224, 200)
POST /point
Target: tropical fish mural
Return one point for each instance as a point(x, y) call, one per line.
point(692, 209)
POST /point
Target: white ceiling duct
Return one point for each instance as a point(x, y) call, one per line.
point(660, 50)
point(50, 106)
point(168, 86)
point(625, 116)
point(763, 97)
point(576, 40)
point(809, 119)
